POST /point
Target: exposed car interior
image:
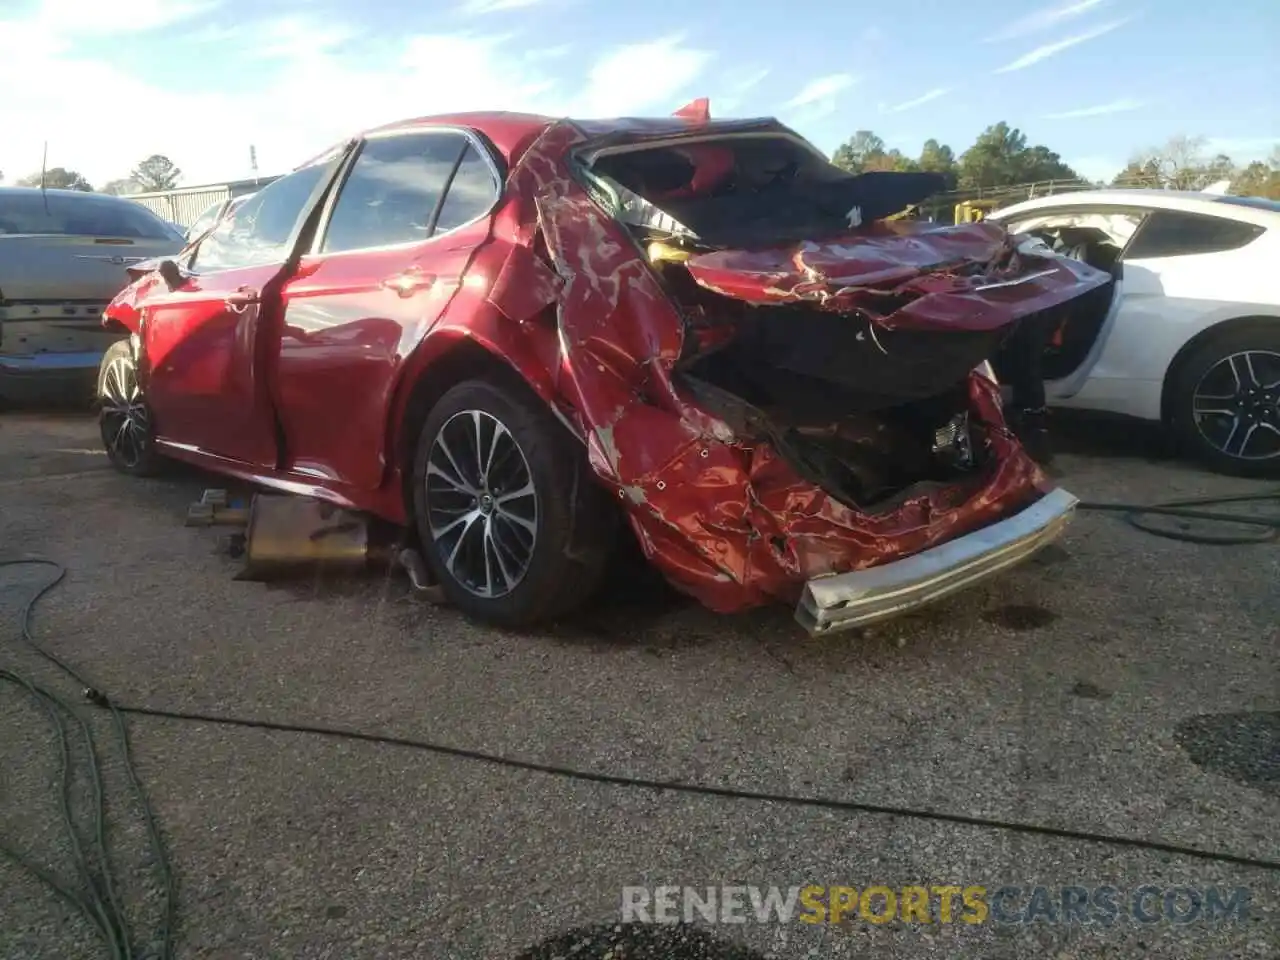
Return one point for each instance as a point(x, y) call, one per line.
point(854, 407)
point(1098, 239)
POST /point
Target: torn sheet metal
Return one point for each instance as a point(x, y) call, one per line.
point(724, 517)
point(908, 275)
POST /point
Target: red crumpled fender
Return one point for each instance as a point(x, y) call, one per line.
point(722, 516)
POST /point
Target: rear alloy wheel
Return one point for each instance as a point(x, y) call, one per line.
point(1228, 403)
point(124, 419)
point(511, 522)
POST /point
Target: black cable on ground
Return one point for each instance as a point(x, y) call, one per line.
point(96, 899)
point(697, 789)
point(1135, 514)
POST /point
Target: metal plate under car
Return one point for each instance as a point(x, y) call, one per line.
point(847, 600)
point(287, 533)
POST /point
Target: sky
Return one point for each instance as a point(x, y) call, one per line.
point(201, 81)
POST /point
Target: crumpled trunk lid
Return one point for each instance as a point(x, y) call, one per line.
point(894, 313)
point(904, 275)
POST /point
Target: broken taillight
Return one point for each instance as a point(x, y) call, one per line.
point(953, 443)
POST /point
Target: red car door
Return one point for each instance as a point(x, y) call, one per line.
point(205, 345)
point(199, 370)
point(388, 257)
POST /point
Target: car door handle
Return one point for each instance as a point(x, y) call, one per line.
point(408, 283)
point(240, 298)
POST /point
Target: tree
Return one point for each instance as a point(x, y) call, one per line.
point(1182, 165)
point(853, 154)
point(892, 161)
point(122, 187)
point(1040, 163)
point(1001, 157)
point(1140, 172)
point(1259, 179)
point(939, 158)
point(58, 178)
point(993, 160)
point(157, 172)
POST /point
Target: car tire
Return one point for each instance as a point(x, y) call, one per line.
point(525, 540)
point(124, 418)
point(1237, 372)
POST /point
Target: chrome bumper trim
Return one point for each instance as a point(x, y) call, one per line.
point(848, 600)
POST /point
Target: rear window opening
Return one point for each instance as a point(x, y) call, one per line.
point(746, 190)
point(86, 215)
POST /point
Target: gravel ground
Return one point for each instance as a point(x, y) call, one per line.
point(1121, 684)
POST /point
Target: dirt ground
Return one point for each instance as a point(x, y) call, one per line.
point(1119, 684)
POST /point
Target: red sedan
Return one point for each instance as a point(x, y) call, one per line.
point(519, 337)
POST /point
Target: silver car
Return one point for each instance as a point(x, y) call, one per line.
point(63, 256)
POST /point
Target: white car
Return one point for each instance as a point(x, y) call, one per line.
point(1189, 334)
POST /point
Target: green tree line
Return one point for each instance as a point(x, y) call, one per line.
point(156, 172)
point(1001, 156)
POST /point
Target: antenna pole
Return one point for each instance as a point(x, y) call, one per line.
point(44, 163)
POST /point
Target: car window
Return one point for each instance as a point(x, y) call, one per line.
point(86, 215)
point(471, 192)
point(1171, 233)
point(392, 191)
point(258, 231)
point(205, 220)
point(1061, 227)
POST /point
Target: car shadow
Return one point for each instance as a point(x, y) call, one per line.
point(1091, 434)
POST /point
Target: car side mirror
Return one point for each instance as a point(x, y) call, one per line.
point(171, 274)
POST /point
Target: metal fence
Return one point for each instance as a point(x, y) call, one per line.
point(185, 204)
point(940, 205)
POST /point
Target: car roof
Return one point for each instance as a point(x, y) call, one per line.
point(1183, 200)
point(84, 196)
point(512, 133)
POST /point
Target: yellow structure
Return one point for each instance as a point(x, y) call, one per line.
point(971, 211)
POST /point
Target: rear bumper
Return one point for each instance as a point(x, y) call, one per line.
point(40, 364)
point(49, 376)
point(844, 601)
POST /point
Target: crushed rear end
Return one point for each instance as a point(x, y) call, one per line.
point(780, 386)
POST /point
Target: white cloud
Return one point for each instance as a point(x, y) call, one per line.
point(1052, 49)
point(1044, 19)
point(919, 101)
point(732, 88)
point(639, 75)
point(1099, 110)
point(823, 88)
point(817, 99)
point(304, 85)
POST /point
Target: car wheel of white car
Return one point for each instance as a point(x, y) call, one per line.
point(124, 419)
point(511, 521)
point(1227, 403)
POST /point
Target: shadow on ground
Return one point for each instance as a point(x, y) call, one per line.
point(1090, 434)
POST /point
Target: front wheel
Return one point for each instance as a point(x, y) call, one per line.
point(1226, 403)
point(124, 419)
point(511, 521)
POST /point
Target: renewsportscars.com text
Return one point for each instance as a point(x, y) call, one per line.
point(1101, 905)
